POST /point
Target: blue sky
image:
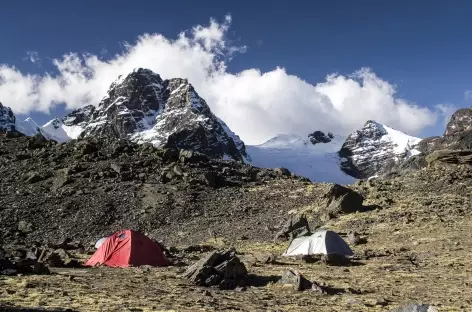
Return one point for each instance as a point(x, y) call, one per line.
point(421, 47)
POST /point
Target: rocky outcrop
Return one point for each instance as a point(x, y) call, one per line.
point(339, 200)
point(457, 136)
point(7, 119)
point(452, 147)
point(320, 137)
point(450, 157)
point(374, 149)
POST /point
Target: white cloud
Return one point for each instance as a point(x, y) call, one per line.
point(32, 56)
point(445, 111)
point(256, 105)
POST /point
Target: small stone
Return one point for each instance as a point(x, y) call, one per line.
point(282, 172)
point(25, 227)
point(295, 280)
point(354, 239)
point(382, 302)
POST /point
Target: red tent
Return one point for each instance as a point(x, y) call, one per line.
point(128, 248)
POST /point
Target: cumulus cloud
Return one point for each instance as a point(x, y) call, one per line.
point(256, 105)
point(445, 112)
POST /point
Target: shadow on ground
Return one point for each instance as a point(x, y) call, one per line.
point(261, 281)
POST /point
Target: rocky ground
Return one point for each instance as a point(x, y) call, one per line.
point(416, 228)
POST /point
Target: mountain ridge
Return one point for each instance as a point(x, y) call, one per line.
point(144, 108)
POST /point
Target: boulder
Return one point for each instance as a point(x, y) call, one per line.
point(7, 267)
point(57, 258)
point(355, 239)
point(25, 227)
point(20, 261)
point(335, 259)
point(210, 179)
point(284, 172)
point(299, 282)
point(296, 226)
point(340, 200)
point(221, 269)
point(40, 269)
point(170, 154)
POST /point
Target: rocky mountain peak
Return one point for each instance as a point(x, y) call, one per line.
point(320, 137)
point(375, 148)
point(7, 119)
point(144, 108)
point(461, 121)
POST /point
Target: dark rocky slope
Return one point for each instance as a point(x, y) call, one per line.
point(85, 189)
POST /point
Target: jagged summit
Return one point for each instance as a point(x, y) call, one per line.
point(374, 148)
point(144, 108)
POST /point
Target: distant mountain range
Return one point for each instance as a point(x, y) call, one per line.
point(144, 108)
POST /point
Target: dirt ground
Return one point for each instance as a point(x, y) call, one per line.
point(414, 262)
point(418, 250)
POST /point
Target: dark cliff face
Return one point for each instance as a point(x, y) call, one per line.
point(458, 134)
point(167, 113)
point(7, 119)
point(79, 117)
point(129, 102)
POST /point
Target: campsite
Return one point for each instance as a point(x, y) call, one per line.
point(408, 238)
point(369, 283)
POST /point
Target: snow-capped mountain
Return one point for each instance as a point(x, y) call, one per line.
point(144, 108)
point(375, 148)
point(314, 157)
point(7, 119)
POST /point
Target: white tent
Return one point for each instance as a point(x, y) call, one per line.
point(100, 242)
point(320, 242)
